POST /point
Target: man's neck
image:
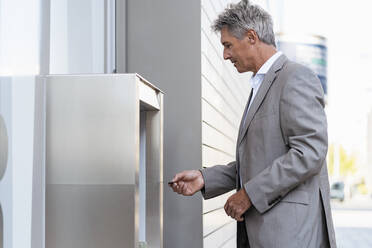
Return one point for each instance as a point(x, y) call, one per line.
point(264, 52)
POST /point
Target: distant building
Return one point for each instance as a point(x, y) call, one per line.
point(309, 50)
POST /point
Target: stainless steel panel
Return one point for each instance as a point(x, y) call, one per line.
point(142, 180)
point(38, 174)
point(93, 216)
point(154, 176)
point(3, 147)
point(152, 111)
point(154, 168)
point(148, 95)
point(92, 126)
point(92, 155)
point(154, 215)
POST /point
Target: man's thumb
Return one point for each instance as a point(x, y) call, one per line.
point(178, 177)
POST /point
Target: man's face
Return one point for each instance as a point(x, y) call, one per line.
point(239, 52)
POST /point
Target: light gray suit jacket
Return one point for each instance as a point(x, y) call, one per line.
point(281, 159)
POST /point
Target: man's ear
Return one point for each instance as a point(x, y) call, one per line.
point(252, 36)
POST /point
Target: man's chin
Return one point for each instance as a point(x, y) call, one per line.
point(239, 70)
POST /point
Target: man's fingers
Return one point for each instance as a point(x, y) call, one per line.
point(184, 182)
point(233, 212)
point(185, 176)
point(176, 178)
point(179, 176)
point(178, 188)
point(174, 187)
point(178, 184)
point(228, 208)
point(240, 218)
point(183, 188)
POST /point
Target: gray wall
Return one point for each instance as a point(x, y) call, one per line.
point(164, 45)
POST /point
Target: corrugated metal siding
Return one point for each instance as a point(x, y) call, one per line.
point(224, 95)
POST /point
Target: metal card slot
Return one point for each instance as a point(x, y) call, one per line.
point(148, 96)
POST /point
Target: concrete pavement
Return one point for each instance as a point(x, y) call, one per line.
point(353, 223)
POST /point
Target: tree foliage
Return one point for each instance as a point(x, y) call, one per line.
point(347, 162)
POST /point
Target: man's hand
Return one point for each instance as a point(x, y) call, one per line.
point(237, 204)
point(187, 182)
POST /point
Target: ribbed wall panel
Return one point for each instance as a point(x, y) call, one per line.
point(224, 95)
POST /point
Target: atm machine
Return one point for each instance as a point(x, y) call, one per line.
point(103, 161)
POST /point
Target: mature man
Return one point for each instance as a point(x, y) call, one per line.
point(280, 173)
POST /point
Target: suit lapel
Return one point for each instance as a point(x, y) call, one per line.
point(262, 91)
point(245, 110)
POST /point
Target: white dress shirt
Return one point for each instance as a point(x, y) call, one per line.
point(257, 79)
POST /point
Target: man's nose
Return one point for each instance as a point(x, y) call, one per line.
point(226, 55)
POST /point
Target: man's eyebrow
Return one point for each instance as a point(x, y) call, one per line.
point(225, 43)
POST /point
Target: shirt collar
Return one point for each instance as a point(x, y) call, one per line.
point(255, 80)
point(267, 65)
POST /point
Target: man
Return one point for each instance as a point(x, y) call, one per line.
point(280, 173)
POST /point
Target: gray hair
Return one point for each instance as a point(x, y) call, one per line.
point(243, 16)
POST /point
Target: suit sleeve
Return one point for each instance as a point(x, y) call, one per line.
point(304, 127)
point(218, 180)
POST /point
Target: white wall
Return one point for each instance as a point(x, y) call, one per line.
point(224, 95)
point(19, 37)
